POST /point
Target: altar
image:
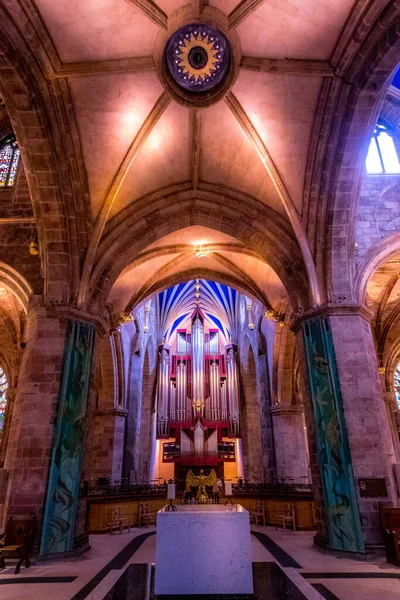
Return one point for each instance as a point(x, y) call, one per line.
point(203, 549)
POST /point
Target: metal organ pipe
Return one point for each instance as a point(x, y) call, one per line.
point(224, 406)
point(181, 384)
point(214, 390)
point(163, 391)
point(198, 366)
point(172, 401)
point(233, 389)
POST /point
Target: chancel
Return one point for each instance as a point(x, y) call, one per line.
point(199, 299)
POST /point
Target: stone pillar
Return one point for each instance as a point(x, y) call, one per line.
point(108, 443)
point(348, 428)
point(47, 435)
point(108, 427)
point(118, 365)
point(31, 433)
point(290, 443)
point(249, 309)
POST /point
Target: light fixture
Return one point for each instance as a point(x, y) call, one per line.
point(199, 251)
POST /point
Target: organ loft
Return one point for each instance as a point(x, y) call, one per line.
point(197, 393)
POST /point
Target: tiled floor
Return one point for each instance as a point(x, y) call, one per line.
point(317, 575)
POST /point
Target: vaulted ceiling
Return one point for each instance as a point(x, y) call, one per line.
point(112, 105)
point(137, 139)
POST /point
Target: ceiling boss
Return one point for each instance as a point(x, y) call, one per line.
point(198, 57)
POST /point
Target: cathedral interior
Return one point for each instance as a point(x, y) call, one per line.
point(199, 291)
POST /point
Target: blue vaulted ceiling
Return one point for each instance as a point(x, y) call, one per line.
point(217, 302)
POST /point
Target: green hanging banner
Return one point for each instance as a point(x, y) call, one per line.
point(343, 517)
point(65, 467)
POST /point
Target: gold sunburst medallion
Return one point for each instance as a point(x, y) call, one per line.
point(197, 58)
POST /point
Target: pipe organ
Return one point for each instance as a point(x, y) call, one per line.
point(198, 395)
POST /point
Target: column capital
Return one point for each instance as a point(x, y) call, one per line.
point(330, 310)
point(57, 310)
point(287, 409)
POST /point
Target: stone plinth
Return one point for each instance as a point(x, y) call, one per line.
point(203, 549)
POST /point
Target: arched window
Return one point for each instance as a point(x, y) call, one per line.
point(3, 399)
point(382, 156)
point(9, 159)
point(397, 384)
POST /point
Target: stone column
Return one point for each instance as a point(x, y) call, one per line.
point(108, 443)
point(108, 427)
point(348, 428)
point(290, 443)
point(47, 435)
point(31, 433)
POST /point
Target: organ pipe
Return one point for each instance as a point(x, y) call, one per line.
point(172, 401)
point(198, 366)
point(224, 406)
point(233, 389)
point(214, 390)
point(162, 391)
point(181, 383)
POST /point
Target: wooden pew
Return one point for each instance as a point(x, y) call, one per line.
point(390, 519)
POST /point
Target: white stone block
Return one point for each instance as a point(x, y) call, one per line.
point(203, 549)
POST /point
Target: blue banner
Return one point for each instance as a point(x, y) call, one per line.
point(341, 506)
point(66, 459)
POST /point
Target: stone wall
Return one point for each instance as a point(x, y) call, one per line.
point(378, 211)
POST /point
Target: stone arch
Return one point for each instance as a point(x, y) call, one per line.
point(378, 254)
point(254, 224)
point(16, 283)
point(58, 199)
point(359, 106)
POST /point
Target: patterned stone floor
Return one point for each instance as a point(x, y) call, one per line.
point(285, 566)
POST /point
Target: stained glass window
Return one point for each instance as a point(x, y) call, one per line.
point(3, 399)
point(397, 384)
point(9, 159)
point(382, 156)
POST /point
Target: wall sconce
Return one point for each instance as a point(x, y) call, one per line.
point(382, 370)
point(34, 244)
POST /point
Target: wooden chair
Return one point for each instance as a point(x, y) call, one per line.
point(115, 521)
point(18, 539)
point(390, 519)
point(145, 516)
point(258, 513)
point(288, 517)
